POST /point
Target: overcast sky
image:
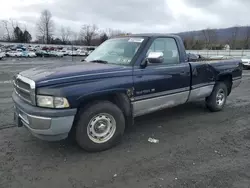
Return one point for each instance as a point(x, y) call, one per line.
point(131, 15)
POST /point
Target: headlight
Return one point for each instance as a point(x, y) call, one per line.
point(51, 102)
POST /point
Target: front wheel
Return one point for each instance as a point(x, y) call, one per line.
point(217, 100)
point(100, 126)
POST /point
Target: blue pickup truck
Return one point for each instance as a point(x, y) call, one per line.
point(128, 76)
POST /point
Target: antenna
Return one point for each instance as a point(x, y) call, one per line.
point(72, 51)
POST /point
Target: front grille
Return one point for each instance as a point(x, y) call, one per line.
point(23, 89)
point(22, 84)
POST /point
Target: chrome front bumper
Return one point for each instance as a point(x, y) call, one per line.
point(45, 124)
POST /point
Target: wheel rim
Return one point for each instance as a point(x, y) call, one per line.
point(101, 128)
point(220, 97)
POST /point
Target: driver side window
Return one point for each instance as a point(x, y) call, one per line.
point(169, 49)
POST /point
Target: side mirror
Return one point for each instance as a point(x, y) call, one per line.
point(192, 57)
point(155, 57)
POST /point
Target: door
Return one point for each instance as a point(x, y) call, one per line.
point(162, 85)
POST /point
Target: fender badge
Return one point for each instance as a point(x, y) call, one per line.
point(129, 92)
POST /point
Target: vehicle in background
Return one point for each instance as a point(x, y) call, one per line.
point(2, 55)
point(72, 53)
point(14, 53)
point(64, 51)
point(28, 54)
point(246, 62)
point(31, 49)
point(20, 47)
point(42, 53)
point(82, 53)
point(45, 48)
point(125, 77)
point(56, 54)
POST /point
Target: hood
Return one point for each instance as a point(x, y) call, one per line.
point(71, 71)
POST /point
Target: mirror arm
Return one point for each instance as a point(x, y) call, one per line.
point(144, 63)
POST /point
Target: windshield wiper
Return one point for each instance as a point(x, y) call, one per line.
point(99, 61)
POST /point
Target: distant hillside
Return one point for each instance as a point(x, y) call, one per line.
point(222, 35)
point(236, 37)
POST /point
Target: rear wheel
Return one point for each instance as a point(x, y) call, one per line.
point(100, 126)
point(217, 100)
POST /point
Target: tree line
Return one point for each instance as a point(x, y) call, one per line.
point(91, 35)
point(47, 33)
point(209, 39)
point(13, 32)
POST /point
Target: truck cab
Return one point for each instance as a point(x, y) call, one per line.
point(125, 77)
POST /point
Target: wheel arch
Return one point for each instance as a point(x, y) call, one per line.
point(118, 97)
point(227, 79)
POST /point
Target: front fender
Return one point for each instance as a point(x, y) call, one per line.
point(100, 94)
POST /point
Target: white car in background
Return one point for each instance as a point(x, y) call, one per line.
point(59, 54)
point(14, 54)
point(64, 51)
point(246, 62)
point(56, 53)
point(73, 53)
point(2, 55)
point(82, 53)
point(28, 54)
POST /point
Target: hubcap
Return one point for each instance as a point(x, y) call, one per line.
point(101, 128)
point(220, 97)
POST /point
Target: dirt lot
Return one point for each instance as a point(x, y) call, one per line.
point(196, 149)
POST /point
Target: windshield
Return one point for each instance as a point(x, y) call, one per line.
point(116, 51)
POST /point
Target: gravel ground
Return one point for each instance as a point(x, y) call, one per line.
point(197, 148)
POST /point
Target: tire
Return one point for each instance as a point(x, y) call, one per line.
point(217, 100)
point(101, 117)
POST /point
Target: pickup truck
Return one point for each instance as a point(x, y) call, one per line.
point(128, 76)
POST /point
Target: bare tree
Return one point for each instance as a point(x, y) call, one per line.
point(234, 37)
point(88, 32)
point(6, 27)
point(13, 23)
point(189, 40)
point(103, 37)
point(45, 26)
point(65, 34)
point(114, 32)
point(210, 37)
point(1, 32)
point(74, 37)
point(247, 39)
point(206, 37)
